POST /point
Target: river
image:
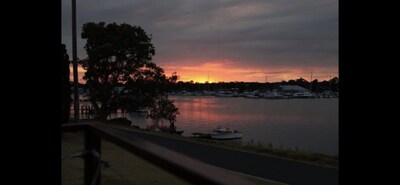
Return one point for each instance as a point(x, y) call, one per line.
point(304, 124)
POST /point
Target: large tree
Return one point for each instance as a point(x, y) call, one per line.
point(65, 85)
point(119, 71)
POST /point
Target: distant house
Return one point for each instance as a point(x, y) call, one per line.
point(290, 89)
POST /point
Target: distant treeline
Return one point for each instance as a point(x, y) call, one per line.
point(316, 86)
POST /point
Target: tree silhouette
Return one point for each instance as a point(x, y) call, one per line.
point(65, 85)
point(334, 84)
point(163, 108)
point(120, 73)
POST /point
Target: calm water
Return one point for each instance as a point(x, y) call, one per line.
point(308, 124)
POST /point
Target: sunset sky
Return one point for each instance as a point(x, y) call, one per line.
point(225, 40)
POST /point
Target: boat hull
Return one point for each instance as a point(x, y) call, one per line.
point(226, 136)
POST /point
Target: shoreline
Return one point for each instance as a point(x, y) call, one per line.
point(258, 148)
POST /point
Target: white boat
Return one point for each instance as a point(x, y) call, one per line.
point(225, 133)
point(273, 95)
point(303, 95)
point(251, 96)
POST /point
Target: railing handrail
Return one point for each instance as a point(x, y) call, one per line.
point(187, 168)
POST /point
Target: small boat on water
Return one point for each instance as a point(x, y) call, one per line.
point(225, 133)
point(201, 135)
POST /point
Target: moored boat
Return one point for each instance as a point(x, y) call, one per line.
point(225, 133)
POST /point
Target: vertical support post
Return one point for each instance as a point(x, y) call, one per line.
point(75, 63)
point(92, 143)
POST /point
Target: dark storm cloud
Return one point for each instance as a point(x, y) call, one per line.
point(298, 33)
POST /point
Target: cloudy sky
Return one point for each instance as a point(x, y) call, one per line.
point(225, 40)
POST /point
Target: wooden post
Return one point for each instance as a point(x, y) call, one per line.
point(92, 143)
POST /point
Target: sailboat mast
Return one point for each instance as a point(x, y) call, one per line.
point(266, 84)
point(311, 83)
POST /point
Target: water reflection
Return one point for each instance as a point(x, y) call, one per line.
point(307, 124)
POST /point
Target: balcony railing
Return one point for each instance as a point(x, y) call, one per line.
point(189, 169)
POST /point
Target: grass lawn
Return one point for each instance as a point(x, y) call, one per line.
point(125, 168)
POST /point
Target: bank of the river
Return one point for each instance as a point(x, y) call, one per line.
point(255, 146)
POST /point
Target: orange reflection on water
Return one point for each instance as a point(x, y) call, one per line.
point(208, 111)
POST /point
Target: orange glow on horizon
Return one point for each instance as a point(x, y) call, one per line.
point(229, 71)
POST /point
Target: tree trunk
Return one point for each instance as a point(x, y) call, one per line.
point(172, 127)
point(104, 112)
